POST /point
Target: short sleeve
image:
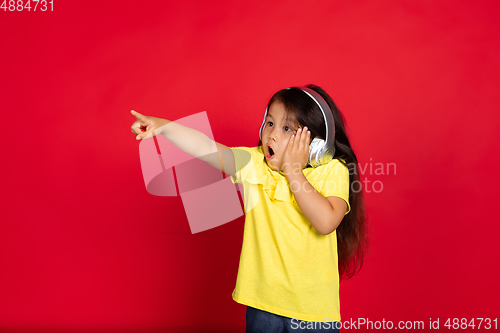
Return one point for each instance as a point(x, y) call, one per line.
point(242, 163)
point(335, 182)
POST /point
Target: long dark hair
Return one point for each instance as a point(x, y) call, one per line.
point(352, 238)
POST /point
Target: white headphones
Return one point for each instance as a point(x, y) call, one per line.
point(320, 151)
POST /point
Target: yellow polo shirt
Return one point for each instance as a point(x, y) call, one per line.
point(286, 266)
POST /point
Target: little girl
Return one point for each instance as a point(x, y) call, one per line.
point(305, 225)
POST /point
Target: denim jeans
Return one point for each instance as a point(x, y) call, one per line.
point(259, 321)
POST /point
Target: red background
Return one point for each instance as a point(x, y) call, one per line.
point(84, 247)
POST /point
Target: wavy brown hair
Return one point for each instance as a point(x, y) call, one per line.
point(352, 235)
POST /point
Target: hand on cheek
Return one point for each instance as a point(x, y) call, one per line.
point(297, 152)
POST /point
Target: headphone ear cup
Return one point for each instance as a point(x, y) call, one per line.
point(314, 151)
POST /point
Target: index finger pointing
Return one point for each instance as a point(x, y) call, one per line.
point(137, 115)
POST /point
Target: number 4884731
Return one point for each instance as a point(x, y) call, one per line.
point(474, 323)
point(27, 5)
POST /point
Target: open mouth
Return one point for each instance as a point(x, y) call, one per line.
point(270, 153)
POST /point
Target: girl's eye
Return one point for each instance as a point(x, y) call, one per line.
point(286, 128)
point(270, 123)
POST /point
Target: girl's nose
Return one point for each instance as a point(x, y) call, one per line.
point(273, 135)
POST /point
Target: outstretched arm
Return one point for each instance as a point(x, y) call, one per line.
point(186, 139)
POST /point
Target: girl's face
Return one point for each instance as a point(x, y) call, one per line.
point(278, 129)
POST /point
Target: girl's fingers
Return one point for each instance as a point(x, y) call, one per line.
point(139, 134)
point(142, 127)
point(149, 133)
point(145, 135)
point(297, 139)
point(137, 128)
point(290, 143)
point(142, 118)
point(302, 144)
point(300, 135)
point(303, 138)
point(136, 114)
point(307, 139)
